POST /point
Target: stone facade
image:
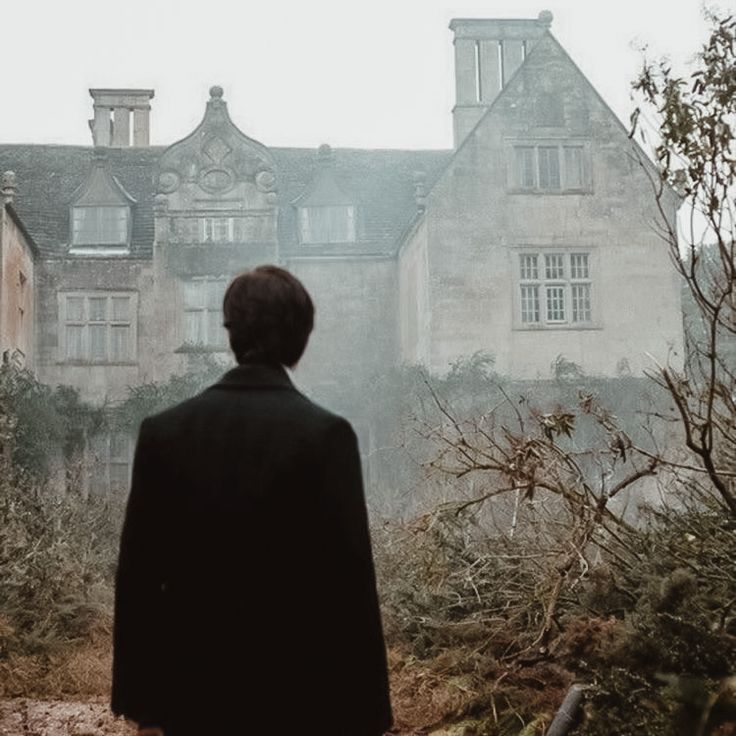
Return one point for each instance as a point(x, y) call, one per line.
point(531, 240)
point(17, 281)
point(461, 278)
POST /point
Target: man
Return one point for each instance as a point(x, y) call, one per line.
point(245, 598)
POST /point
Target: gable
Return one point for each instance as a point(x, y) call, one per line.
point(549, 97)
point(217, 166)
point(101, 187)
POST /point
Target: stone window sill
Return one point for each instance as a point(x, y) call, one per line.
point(201, 349)
point(556, 327)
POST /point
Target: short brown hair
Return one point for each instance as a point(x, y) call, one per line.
point(269, 315)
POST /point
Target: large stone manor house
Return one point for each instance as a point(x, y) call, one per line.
point(531, 238)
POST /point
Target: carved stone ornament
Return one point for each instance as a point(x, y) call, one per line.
point(168, 182)
point(216, 149)
point(266, 181)
point(8, 179)
point(160, 204)
point(216, 180)
point(215, 158)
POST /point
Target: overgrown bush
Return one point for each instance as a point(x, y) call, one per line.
point(57, 557)
point(650, 627)
point(38, 422)
point(58, 546)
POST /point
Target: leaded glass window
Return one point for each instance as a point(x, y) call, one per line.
point(98, 327)
point(100, 225)
point(327, 224)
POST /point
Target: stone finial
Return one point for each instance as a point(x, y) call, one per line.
point(325, 154)
point(160, 204)
point(420, 189)
point(545, 17)
point(216, 105)
point(8, 187)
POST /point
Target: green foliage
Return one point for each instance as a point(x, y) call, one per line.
point(57, 557)
point(651, 628)
point(695, 152)
point(695, 116)
point(37, 421)
point(676, 642)
point(150, 398)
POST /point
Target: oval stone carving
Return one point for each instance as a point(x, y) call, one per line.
point(216, 180)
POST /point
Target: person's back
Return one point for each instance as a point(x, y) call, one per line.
point(246, 597)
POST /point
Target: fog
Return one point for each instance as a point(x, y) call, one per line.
point(543, 396)
point(373, 75)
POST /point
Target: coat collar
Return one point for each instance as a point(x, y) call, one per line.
point(256, 375)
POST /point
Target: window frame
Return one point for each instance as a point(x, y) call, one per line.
point(516, 182)
point(110, 322)
point(206, 310)
point(117, 248)
point(542, 284)
point(304, 227)
point(209, 223)
point(107, 462)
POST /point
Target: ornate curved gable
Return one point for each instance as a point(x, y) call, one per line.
point(218, 171)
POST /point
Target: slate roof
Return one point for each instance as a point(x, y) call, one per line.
point(48, 177)
point(382, 182)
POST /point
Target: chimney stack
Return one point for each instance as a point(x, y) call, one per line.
point(487, 54)
point(113, 108)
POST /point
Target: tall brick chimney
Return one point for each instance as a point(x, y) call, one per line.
point(113, 108)
point(487, 53)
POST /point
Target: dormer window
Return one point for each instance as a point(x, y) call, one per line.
point(326, 211)
point(100, 213)
point(327, 224)
point(100, 226)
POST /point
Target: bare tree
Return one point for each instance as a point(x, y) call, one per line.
point(688, 122)
point(540, 477)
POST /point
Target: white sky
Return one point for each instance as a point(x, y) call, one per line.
point(374, 73)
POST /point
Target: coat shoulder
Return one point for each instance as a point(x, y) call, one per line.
point(291, 403)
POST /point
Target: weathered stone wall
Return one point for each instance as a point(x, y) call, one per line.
point(477, 225)
point(96, 382)
point(414, 312)
point(356, 325)
point(173, 265)
point(16, 291)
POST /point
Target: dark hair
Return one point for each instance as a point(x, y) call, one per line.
point(268, 315)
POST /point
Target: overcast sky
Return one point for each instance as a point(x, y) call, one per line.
point(374, 74)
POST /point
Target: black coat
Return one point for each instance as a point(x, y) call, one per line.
point(245, 596)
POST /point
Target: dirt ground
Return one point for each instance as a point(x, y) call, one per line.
point(24, 717)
